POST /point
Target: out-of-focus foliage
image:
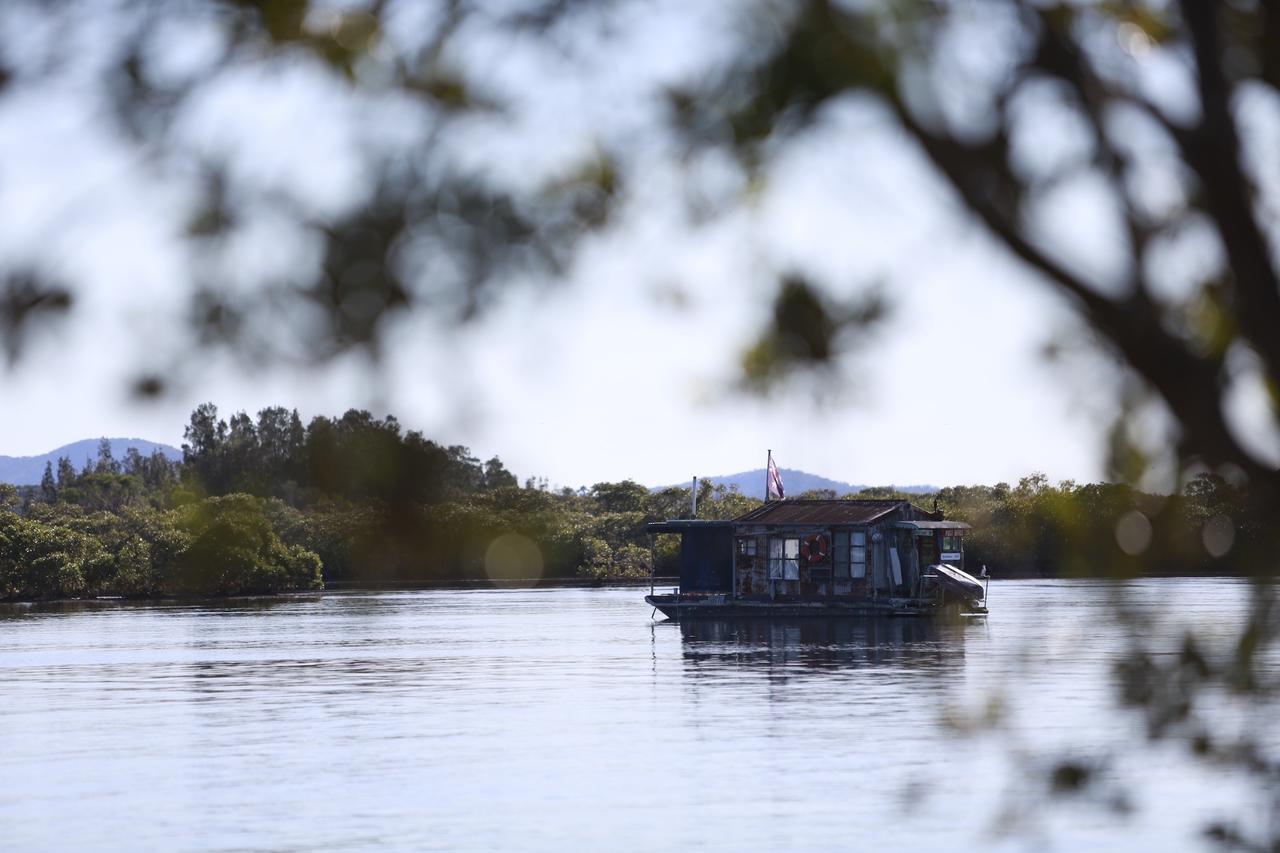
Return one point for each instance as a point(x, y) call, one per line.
point(1177, 169)
point(1158, 115)
point(1155, 114)
point(26, 302)
point(394, 86)
point(806, 332)
point(1160, 110)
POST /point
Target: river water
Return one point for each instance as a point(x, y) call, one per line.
point(567, 719)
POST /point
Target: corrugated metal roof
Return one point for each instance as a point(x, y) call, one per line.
point(821, 512)
point(934, 525)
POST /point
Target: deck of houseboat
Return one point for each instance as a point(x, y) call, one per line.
point(676, 605)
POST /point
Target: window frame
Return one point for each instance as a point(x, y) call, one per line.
point(858, 555)
point(784, 558)
point(840, 555)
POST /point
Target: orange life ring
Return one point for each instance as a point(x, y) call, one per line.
point(814, 549)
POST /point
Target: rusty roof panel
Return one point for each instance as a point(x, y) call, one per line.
point(821, 512)
point(935, 525)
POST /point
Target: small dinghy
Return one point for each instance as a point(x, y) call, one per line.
point(959, 582)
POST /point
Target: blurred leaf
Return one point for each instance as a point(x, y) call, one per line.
point(825, 52)
point(590, 192)
point(446, 89)
point(148, 386)
point(807, 331)
point(213, 216)
point(1210, 321)
point(216, 317)
point(27, 300)
point(1069, 777)
point(359, 286)
point(281, 19)
point(348, 37)
point(1155, 22)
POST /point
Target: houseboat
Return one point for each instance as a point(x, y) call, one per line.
point(821, 558)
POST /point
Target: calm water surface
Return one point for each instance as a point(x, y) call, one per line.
point(566, 719)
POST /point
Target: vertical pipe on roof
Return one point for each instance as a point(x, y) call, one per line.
point(653, 560)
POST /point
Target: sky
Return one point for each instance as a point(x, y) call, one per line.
point(624, 368)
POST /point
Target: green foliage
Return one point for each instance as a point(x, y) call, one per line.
point(357, 500)
point(355, 458)
point(600, 561)
point(48, 486)
point(218, 546)
point(233, 548)
point(627, 496)
point(39, 560)
point(597, 559)
point(1041, 530)
point(496, 475)
point(631, 561)
point(724, 502)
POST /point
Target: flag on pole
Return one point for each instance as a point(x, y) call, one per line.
point(774, 490)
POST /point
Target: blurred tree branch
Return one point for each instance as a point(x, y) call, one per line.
point(419, 233)
point(831, 50)
point(422, 233)
point(1091, 55)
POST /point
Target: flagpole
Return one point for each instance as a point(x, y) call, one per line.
point(767, 465)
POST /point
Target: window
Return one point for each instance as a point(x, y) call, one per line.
point(840, 553)
point(849, 553)
point(784, 559)
point(747, 546)
point(858, 553)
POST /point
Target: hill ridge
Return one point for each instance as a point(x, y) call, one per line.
point(751, 483)
point(27, 470)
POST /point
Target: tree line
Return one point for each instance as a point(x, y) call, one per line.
point(268, 504)
point(1036, 528)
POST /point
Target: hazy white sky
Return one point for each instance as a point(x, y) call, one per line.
point(626, 368)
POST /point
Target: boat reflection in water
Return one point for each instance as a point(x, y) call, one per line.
point(910, 645)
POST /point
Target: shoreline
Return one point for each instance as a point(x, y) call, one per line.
point(499, 584)
point(353, 586)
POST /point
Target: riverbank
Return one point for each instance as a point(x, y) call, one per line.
point(361, 586)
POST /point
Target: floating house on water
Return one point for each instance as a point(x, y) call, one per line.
point(821, 557)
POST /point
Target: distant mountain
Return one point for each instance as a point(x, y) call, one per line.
point(752, 483)
point(27, 470)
